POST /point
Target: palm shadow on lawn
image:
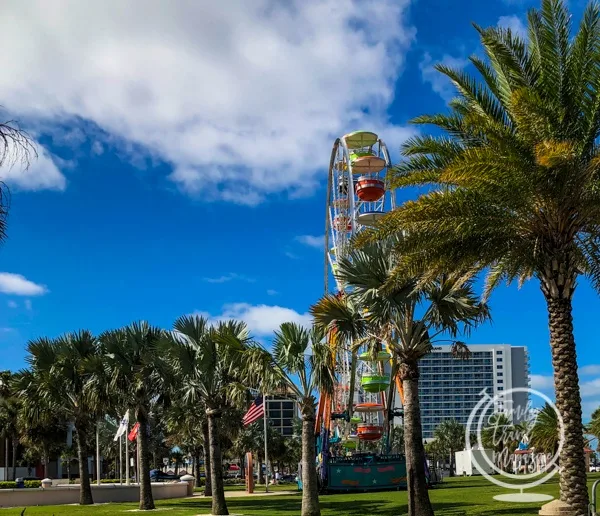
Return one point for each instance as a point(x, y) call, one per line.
point(357, 507)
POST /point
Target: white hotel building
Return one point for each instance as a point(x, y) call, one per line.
point(449, 388)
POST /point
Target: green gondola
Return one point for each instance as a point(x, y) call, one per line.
point(381, 356)
point(375, 382)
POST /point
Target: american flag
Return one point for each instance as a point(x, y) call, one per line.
point(255, 412)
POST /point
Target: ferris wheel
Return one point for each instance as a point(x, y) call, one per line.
point(357, 197)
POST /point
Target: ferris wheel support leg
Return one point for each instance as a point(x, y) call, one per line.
point(400, 389)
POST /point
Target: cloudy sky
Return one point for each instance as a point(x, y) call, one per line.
point(182, 154)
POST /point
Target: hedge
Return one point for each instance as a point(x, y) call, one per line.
point(31, 484)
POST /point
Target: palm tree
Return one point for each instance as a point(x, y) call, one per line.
point(59, 376)
point(593, 426)
point(516, 181)
point(545, 433)
point(451, 435)
point(303, 354)
point(206, 363)
point(15, 146)
point(42, 429)
point(137, 373)
point(378, 310)
point(9, 411)
point(182, 423)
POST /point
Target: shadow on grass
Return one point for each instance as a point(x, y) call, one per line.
point(355, 507)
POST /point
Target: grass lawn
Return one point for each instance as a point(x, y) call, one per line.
point(258, 488)
point(456, 497)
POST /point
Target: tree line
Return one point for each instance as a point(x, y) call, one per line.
point(188, 386)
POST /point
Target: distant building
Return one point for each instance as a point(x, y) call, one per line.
point(449, 388)
point(282, 409)
point(282, 413)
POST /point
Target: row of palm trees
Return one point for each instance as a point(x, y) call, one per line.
point(191, 376)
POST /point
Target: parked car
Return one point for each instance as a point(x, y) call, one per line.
point(157, 475)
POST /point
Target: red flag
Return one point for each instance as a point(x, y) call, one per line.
point(255, 412)
point(134, 431)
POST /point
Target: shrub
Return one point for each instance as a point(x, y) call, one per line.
point(31, 484)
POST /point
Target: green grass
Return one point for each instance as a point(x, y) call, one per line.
point(258, 488)
point(456, 497)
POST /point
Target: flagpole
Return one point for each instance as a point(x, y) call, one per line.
point(127, 481)
point(266, 452)
point(120, 460)
point(97, 454)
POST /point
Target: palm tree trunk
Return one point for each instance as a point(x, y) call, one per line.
point(207, 468)
point(310, 488)
point(260, 479)
point(198, 482)
point(573, 489)
point(219, 506)
point(15, 443)
point(85, 489)
point(418, 495)
point(146, 500)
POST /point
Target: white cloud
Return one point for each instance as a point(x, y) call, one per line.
point(19, 285)
point(262, 320)
point(438, 81)
point(513, 23)
point(589, 390)
point(291, 255)
point(272, 292)
point(28, 305)
point(542, 382)
point(228, 277)
point(42, 174)
point(590, 370)
point(97, 148)
point(312, 241)
point(12, 304)
point(231, 94)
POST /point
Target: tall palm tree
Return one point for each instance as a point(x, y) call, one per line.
point(516, 181)
point(138, 373)
point(451, 435)
point(205, 363)
point(378, 310)
point(59, 376)
point(303, 354)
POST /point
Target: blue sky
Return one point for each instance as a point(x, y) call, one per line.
point(183, 153)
